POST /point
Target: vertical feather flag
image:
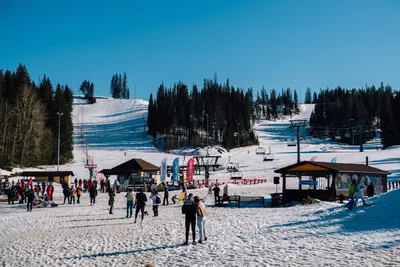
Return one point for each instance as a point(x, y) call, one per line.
point(163, 170)
point(334, 160)
point(175, 170)
point(190, 170)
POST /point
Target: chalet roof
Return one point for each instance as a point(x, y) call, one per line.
point(130, 166)
point(314, 166)
point(46, 173)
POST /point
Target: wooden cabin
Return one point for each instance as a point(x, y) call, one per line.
point(136, 173)
point(326, 180)
point(49, 176)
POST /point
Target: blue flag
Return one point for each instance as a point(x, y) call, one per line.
point(163, 170)
point(334, 160)
point(175, 170)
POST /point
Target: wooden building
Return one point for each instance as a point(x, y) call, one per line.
point(135, 172)
point(326, 180)
point(49, 176)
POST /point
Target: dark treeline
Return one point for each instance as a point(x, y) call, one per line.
point(343, 114)
point(119, 86)
point(29, 120)
point(183, 118)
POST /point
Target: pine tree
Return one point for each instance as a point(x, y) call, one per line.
point(307, 99)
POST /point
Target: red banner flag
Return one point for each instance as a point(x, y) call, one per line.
point(190, 170)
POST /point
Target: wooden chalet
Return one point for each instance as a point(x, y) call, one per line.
point(135, 172)
point(326, 180)
point(49, 176)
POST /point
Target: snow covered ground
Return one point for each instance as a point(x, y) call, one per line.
point(324, 234)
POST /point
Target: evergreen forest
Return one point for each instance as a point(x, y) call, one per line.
point(30, 117)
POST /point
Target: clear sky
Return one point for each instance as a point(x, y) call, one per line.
point(275, 44)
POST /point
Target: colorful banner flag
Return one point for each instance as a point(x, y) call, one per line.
point(190, 170)
point(334, 160)
point(313, 158)
point(175, 170)
point(163, 171)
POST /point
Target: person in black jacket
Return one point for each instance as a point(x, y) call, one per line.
point(111, 194)
point(31, 197)
point(141, 199)
point(166, 194)
point(93, 194)
point(216, 190)
point(189, 209)
point(370, 190)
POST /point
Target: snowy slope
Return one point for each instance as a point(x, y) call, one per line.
point(324, 234)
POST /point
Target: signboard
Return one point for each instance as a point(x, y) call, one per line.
point(308, 182)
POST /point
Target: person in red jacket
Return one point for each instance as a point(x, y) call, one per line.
point(50, 192)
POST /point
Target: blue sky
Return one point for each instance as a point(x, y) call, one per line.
point(275, 44)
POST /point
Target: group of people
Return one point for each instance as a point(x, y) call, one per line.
point(26, 192)
point(356, 192)
point(70, 192)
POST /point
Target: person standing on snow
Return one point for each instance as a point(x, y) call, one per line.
point(73, 193)
point(130, 197)
point(93, 193)
point(78, 194)
point(352, 192)
point(201, 218)
point(111, 194)
point(360, 194)
point(189, 208)
point(156, 202)
point(141, 199)
point(166, 194)
point(31, 197)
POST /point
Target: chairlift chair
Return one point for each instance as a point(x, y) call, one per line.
point(269, 156)
point(291, 143)
point(232, 167)
point(236, 175)
point(260, 150)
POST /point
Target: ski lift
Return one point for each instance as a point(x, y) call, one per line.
point(260, 150)
point(291, 143)
point(269, 156)
point(236, 175)
point(232, 167)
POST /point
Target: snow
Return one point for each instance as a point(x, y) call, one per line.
point(323, 234)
